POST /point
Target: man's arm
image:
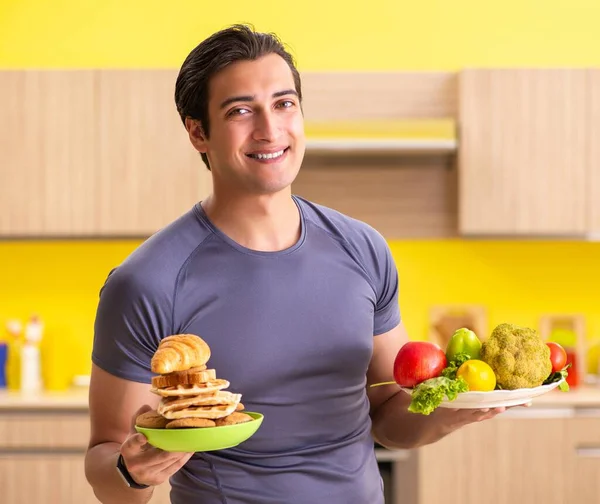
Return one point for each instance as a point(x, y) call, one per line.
point(114, 403)
point(393, 425)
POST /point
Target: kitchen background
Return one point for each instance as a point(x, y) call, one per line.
point(492, 275)
point(516, 279)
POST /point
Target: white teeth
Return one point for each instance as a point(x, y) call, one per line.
point(271, 155)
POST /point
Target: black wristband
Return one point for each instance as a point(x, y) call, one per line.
point(129, 481)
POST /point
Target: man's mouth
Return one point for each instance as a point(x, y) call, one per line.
point(268, 155)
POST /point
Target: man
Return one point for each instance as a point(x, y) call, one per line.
point(298, 303)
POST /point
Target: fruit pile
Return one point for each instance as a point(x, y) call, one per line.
point(511, 358)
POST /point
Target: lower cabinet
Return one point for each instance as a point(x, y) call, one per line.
point(529, 456)
point(42, 456)
point(552, 456)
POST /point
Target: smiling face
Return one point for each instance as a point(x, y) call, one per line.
point(256, 138)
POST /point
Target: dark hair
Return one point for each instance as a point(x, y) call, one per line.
point(236, 43)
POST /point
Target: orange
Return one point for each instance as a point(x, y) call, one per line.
point(478, 375)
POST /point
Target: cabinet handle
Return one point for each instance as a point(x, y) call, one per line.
point(588, 451)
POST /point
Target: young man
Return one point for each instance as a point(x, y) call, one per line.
point(298, 303)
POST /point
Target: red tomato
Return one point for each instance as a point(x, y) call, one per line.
point(418, 361)
point(558, 356)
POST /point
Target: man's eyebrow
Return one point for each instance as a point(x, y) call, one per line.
point(249, 98)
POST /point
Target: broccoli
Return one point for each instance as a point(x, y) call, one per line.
point(518, 356)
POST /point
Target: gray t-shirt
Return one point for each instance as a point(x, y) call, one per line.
point(292, 331)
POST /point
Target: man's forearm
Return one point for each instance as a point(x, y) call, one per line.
point(395, 427)
point(109, 487)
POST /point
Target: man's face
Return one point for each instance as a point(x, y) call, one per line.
point(256, 138)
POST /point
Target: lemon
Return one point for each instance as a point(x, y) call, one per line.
point(478, 375)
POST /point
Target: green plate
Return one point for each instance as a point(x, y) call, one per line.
point(204, 438)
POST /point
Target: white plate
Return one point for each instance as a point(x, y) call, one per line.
point(495, 398)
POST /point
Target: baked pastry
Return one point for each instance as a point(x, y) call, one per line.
point(179, 353)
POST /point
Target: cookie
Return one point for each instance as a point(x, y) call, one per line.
point(239, 407)
point(186, 423)
point(151, 420)
point(235, 418)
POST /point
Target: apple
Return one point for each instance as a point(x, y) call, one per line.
point(417, 361)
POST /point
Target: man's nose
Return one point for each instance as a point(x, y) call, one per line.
point(267, 128)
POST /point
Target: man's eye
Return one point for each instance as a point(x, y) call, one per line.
point(286, 104)
point(237, 112)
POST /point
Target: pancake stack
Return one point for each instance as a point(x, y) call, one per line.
point(191, 394)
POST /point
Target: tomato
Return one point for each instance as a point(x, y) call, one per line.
point(558, 356)
point(418, 361)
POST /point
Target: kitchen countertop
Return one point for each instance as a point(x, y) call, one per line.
point(586, 396)
point(67, 400)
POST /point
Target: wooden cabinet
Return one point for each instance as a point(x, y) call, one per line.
point(47, 161)
point(594, 152)
point(583, 475)
point(505, 460)
point(147, 172)
point(42, 458)
point(551, 456)
point(524, 140)
point(93, 153)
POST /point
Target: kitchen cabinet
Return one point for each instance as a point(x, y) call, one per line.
point(47, 161)
point(539, 454)
point(583, 473)
point(147, 172)
point(502, 461)
point(42, 457)
point(523, 159)
point(93, 153)
point(594, 149)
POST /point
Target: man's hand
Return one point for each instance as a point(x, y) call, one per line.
point(146, 464)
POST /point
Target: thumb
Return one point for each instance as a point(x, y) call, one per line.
point(141, 410)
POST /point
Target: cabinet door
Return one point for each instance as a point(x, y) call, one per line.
point(594, 145)
point(584, 460)
point(523, 161)
point(507, 460)
point(147, 171)
point(44, 477)
point(47, 163)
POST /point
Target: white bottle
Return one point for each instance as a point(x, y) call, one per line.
point(31, 372)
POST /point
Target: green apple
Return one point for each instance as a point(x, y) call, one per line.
point(463, 341)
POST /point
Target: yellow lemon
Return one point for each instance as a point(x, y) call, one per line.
point(478, 375)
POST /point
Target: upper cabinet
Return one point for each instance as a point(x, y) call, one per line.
point(594, 150)
point(524, 140)
point(93, 153)
point(146, 172)
point(47, 153)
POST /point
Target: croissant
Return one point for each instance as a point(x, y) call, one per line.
point(180, 352)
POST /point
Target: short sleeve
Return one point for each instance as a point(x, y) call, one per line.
point(387, 309)
point(133, 315)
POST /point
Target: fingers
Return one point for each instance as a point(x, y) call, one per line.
point(154, 468)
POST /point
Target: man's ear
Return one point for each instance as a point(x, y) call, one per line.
point(196, 134)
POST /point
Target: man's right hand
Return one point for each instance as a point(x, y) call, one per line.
point(146, 464)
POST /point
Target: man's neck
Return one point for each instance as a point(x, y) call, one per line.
point(266, 223)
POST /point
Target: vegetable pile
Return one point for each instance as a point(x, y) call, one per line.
point(511, 358)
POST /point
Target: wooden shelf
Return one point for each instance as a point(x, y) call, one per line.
point(382, 136)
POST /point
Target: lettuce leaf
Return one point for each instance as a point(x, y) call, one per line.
point(452, 367)
point(428, 395)
point(558, 376)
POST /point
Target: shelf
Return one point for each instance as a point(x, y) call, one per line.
point(382, 136)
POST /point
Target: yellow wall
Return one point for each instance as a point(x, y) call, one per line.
point(325, 35)
point(517, 280)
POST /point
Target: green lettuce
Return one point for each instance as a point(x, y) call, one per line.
point(428, 395)
point(558, 376)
